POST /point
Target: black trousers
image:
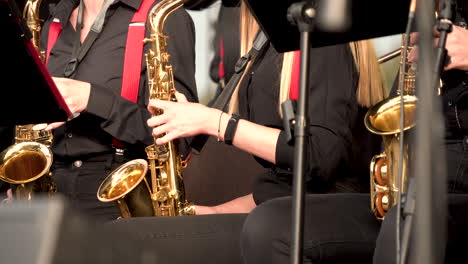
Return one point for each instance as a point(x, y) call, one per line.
point(457, 229)
point(79, 180)
point(339, 228)
point(457, 232)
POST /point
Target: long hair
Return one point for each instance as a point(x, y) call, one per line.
point(248, 30)
point(370, 87)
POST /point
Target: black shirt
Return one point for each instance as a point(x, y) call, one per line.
point(109, 115)
point(335, 160)
point(455, 94)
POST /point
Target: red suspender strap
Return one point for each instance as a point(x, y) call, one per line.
point(221, 59)
point(134, 52)
point(54, 32)
point(295, 76)
point(133, 56)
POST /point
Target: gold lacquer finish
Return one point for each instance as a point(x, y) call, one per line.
point(384, 119)
point(26, 164)
point(26, 167)
point(166, 195)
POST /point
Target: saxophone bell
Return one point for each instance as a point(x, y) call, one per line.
point(128, 188)
point(26, 164)
point(384, 119)
point(26, 167)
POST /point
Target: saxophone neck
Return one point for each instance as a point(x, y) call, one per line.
point(159, 13)
point(31, 16)
point(407, 86)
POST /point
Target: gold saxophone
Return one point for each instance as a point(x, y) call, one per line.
point(384, 119)
point(127, 185)
point(26, 164)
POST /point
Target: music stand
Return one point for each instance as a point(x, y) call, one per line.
point(365, 23)
point(28, 91)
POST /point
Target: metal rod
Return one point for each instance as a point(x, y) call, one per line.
point(300, 153)
point(389, 56)
point(430, 212)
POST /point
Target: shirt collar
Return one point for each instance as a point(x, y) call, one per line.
point(64, 8)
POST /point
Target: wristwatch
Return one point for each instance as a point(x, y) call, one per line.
point(231, 129)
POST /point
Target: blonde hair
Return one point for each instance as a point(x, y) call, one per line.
point(370, 87)
point(248, 31)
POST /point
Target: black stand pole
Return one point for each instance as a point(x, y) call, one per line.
point(301, 14)
point(430, 170)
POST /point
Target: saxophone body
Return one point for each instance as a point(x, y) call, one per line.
point(384, 119)
point(26, 164)
point(127, 185)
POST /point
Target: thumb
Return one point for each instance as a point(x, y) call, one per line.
point(54, 125)
point(181, 97)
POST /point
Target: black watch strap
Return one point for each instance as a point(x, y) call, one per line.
point(231, 129)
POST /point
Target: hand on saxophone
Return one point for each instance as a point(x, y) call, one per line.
point(181, 119)
point(76, 96)
point(456, 50)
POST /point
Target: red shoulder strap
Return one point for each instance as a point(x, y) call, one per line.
point(54, 32)
point(134, 52)
point(133, 57)
point(221, 59)
point(295, 76)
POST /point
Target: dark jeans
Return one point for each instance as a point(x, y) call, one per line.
point(456, 236)
point(339, 228)
point(457, 173)
point(79, 181)
point(457, 165)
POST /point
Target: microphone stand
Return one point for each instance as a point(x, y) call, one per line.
point(301, 14)
point(430, 169)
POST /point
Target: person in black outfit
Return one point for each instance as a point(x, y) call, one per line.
point(455, 109)
point(83, 147)
point(334, 153)
point(226, 40)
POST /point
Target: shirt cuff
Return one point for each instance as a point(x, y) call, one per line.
point(100, 101)
point(284, 152)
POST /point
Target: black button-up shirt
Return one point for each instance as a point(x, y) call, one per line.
point(455, 94)
point(108, 115)
point(339, 147)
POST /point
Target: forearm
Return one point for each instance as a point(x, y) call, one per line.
point(253, 138)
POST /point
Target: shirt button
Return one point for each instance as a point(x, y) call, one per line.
point(77, 163)
point(69, 135)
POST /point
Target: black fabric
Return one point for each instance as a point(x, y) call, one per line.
point(227, 29)
point(88, 138)
point(234, 173)
point(186, 239)
point(455, 97)
point(455, 109)
point(202, 4)
point(456, 227)
point(222, 100)
point(231, 129)
point(80, 184)
point(6, 140)
point(336, 159)
point(338, 228)
point(108, 114)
